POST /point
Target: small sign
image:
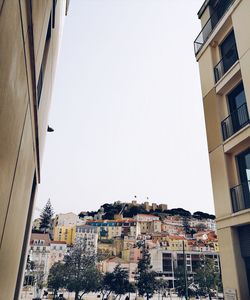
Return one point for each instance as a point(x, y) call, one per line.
point(230, 294)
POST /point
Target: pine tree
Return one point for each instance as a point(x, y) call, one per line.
point(46, 217)
point(147, 283)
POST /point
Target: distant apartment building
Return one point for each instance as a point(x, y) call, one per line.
point(147, 227)
point(109, 229)
point(57, 252)
point(44, 253)
point(87, 235)
point(109, 264)
point(68, 219)
point(165, 262)
point(65, 227)
point(146, 218)
point(30, 34)
point(222, 50)
point(39, 253)
point(131, 255)
point(176, 243)
point(65, 234)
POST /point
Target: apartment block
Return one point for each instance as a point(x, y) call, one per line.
point(222, 50)
point(30, 34)
point(88, 236)
point(109, 229)
point(165, 262)
point(65, 233)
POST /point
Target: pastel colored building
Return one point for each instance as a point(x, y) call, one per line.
point(88, 236)
point(65, 234)
point(57, 252)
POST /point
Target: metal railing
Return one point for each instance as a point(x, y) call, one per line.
point(225, 63)
point(207, 29)
point(240, 196)
point(235, 121)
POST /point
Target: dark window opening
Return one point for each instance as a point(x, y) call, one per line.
point(228, 51)
point(229, 56)
point(244, 238)
point(43, 64)
point(238, 117)
point(240, 194)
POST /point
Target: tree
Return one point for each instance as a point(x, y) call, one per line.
point(147, 283)
point(186, 226)
point(201, 215)
point(81, 271)
point(46, 218)
point(120, 284)
point(162, 286)
point(56, 278)
point(103, 285)
point(116, 282)
point(200, 227)
point(178, 211)
point(29, 272)
point(180, 282)
point(207, 277)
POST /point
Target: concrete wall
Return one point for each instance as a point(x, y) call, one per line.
point(22, 125)
point(222, 154)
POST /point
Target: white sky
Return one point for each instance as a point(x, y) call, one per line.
point(127, 108)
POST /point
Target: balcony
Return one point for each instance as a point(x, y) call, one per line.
point(235, 121)
point(240, 196)
point(219, 11)
point(225, 63)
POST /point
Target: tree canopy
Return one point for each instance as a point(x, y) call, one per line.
point(81, 271)
point(147, 283)
point(46, 218)
point(56, 278)
point(207, 277)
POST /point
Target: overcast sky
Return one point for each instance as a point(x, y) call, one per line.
point(127, 108)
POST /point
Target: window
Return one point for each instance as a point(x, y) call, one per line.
point(228, 51)
point(229, 55)
point(244, 165)
point(237, 107)
point(240, 194)
point(244, 173)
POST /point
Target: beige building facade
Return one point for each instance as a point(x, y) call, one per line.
point(223, 52)
point(30, 32)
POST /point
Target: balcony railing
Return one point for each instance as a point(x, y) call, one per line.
point(207, 29)
point(225, 63)
point(235, 121)
point(240, 196)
